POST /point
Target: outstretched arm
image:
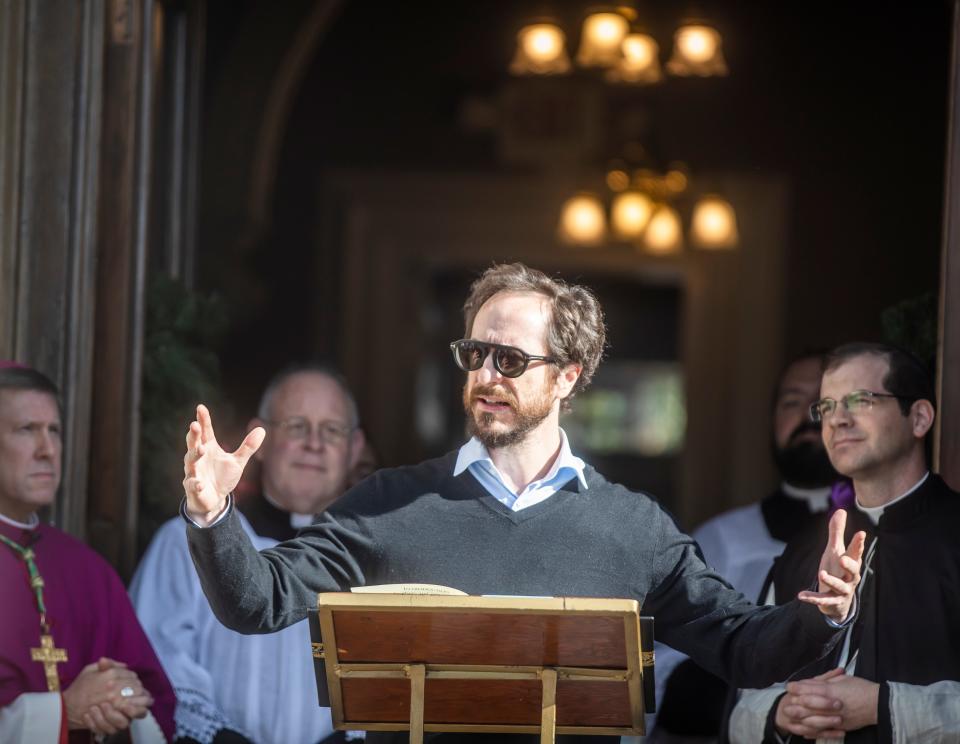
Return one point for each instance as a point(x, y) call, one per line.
point(839, 571)
point(210, 473)
point(253, 592)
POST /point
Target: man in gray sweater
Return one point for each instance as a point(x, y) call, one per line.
point(514, 511)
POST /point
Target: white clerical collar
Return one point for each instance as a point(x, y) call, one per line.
point(31, 524)
point(297, 521)
point(818, 499)
point(474, 451)
point(875, 512)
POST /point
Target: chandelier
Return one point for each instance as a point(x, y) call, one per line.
point(642, 208)
point(610, 40)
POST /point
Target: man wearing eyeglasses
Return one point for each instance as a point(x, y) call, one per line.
point(232, 688)
point(896, 675)
point(513, 511)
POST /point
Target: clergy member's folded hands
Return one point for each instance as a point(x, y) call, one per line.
point(809, 710)
point(826, 706)
point(839, 571)
point(105, 697)
point(210, 473)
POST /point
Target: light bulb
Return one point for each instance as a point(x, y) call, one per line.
point(582, 221)
point(630, 213)
point(714, 223)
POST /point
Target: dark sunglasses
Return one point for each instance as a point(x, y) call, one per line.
point(509, 361)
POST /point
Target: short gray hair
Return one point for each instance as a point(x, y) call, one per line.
point(316, 368)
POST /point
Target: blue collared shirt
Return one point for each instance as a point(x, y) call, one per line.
point(473, 456)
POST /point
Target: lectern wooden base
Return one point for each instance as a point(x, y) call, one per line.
point(398, 662)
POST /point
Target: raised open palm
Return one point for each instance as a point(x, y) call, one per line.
point(839, 571)
point(210, 473)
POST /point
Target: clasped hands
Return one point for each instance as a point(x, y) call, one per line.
point(105, 698)
point(828, 705)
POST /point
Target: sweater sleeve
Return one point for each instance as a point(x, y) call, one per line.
point(261, 592)
point(699, 613)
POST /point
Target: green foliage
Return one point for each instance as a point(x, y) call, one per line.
point(912, 325)
point(180, 369)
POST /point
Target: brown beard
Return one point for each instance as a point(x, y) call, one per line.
point(804, 464)
point(525, 416)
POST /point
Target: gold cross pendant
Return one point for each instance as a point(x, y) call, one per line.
point(50, 656)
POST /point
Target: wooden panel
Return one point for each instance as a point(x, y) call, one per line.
point(124, 209)
point(947, 451)
point(478, 638)
point(13, 17)
point(50, 88)
point(487, 702)
point(484, 657)
point(179, 82)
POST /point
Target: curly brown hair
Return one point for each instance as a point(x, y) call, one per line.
point(575, 334)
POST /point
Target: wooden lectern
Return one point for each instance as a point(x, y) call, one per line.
point(394, 662)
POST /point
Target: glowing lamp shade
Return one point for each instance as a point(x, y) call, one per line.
point(664, 233)
point(639, 63)
point(697, 50)
point(630, 213)
point(582, 221)
point(540, 51)
point(714, 223)
point(603, 33)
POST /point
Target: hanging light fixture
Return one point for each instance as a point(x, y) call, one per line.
point(627, 54)
point(697, 50)
point(603, 33)
point(644, 208)
point(664, 234)
point(714, 223)
point(540, 51)
point(582, 221)
point(639, 61)
point(630, 214)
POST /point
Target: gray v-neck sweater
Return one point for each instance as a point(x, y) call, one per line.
point(422, 524)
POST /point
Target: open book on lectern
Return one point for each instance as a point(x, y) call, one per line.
point(431, 589)
point(341, 611)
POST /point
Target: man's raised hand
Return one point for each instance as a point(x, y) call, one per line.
point(839, 571)
point(210, 474)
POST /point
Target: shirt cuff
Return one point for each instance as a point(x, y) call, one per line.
point(884, 722)
point(855, 605)
point(223, 515)
point(770, 733)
